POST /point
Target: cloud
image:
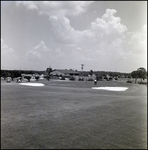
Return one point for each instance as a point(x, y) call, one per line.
point(58, 8)
point(135, 49)
point(8, 57)
point(5, 49)
point(103, 40)
point(108, 26)
point(138, 40)
point(106, 41)
point(41, 47)
point(38, 52)
point(62, 30)
point(28, 4)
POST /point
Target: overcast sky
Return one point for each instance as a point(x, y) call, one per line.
point(102, 35)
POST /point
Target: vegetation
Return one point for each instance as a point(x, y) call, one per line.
point(37, 78)
point(139, 73)
point(91, 73)
point(28, 78)
point(48, 71)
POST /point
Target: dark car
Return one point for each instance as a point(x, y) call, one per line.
point(90, 80)
point(62, 78)
point(81, 79)
point(72, 78)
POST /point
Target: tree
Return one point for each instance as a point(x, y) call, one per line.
point(48, 71)
point(91, 73)
point(12, 75)
point(134, 75)
point(37, 78)
point(28, 78)
point(141, 73)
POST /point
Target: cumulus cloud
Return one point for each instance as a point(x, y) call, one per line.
point(103, 39)
point(41, 47)
point(8, 57)
point(138, 40)
point(108, 26)
point(107, 40)
point(38, 52)
point(135, 46)
point(28, 4)
point(59, 8)
point(62, 30)
point(5, 49)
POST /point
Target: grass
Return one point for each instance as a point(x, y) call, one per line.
point(70, 115)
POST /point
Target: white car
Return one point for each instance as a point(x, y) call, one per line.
point(8, 79)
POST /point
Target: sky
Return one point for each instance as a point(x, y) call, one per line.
point(102, 35)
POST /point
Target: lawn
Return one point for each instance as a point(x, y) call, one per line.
point(71, 115)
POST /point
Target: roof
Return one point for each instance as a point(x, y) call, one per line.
point(66, 71)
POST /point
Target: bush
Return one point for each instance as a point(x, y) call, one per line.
point(128, 81)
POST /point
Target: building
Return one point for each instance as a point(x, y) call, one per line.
point(64, 73)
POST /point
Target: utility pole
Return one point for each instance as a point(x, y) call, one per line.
point(82, 69)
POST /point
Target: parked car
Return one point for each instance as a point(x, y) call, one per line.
point(62, 78)
point(19, 79)
point(8, 79)
point(90, 80)
point(81, 79)
point(72, 78)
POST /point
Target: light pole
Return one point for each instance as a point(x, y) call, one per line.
point(82, 69)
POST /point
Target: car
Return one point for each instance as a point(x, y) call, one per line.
point(62, 78)
point(81, 79)
point(90, 80)
point(19, 79)
point(72, 78)
point(8, 79)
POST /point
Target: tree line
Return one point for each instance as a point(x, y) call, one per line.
point(17, 73)
point(139, 73)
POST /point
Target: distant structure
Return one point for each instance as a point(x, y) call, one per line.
point(82, 65)
point(64, 73)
